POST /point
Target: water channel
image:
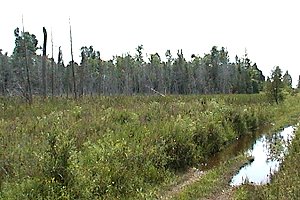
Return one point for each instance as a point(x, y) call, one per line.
point(266, 151)
point(267, 154)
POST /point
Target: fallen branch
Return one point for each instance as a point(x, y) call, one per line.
point(157, 92)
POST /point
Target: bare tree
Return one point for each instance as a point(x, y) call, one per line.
point(72, 63)
point(28, 93)
point(52, 67)
point(44, 59)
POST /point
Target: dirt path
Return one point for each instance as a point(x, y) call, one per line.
point(188, 178)
point(220, 190)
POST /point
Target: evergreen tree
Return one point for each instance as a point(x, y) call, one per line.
point(274, 85)
point(287, 80)
point(25, 49)
point(5, 74)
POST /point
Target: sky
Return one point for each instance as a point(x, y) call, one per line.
point(267, 29)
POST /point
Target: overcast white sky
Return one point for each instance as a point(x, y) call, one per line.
point(268, 29)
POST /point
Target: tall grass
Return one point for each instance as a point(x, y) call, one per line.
point(115, 147)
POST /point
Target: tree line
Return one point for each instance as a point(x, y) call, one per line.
point(26, 73)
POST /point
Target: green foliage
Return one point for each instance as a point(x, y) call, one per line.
point(274, 86)
point(285, 183)
point(213, 184)
point(115, 147)
point(287, 80)
point(25, 42)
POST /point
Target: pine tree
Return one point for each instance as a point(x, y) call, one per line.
point(287, 79)
point(274, 86)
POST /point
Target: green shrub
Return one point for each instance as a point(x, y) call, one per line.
point(114, 147)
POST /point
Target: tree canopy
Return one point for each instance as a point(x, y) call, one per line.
point(212, 73)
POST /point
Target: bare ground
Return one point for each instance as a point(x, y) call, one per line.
point(220, 192)
point(188, 178)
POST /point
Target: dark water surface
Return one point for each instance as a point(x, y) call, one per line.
point(239, 146)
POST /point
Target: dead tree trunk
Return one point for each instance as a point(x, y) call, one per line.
point(60, 72)
point(28, 93)
point(72, 63)
point(52, 68)
point(44, 58)
point(81, 74)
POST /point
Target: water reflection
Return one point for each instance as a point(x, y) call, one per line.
point(240, 145)
point(268, 153)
